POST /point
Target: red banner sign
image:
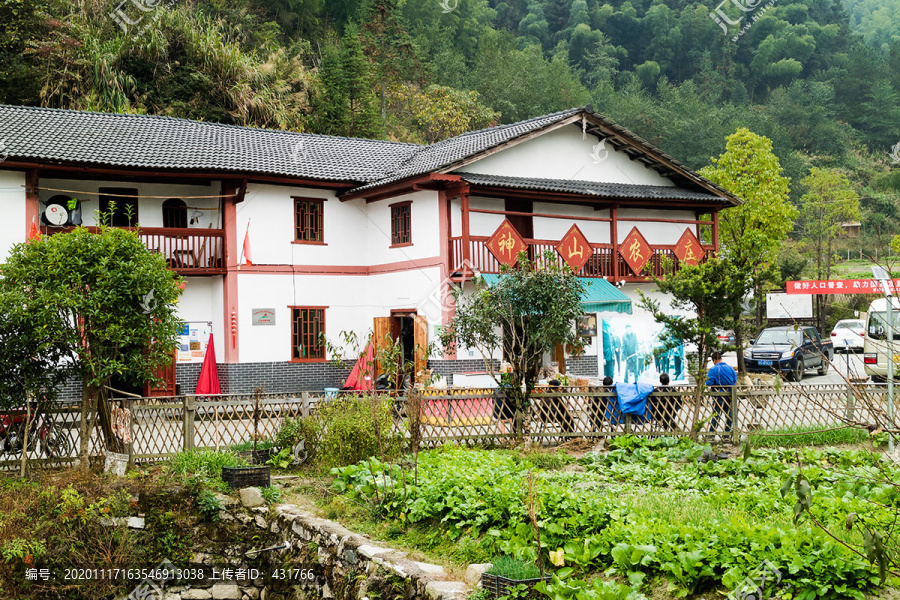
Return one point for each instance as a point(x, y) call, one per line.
point(575, 249)
point(636, 251)
point(688, 249)
point(840, 286)
point(506, 243)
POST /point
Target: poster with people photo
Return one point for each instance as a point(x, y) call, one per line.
point(628, 343)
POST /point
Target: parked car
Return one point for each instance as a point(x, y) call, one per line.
point(849, 335)
point(790, 350)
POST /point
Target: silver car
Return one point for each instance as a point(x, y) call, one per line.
point(849, 335)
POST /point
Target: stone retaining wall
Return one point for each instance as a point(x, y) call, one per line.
point(333, 562)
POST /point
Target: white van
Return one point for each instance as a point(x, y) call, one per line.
point(876, 348)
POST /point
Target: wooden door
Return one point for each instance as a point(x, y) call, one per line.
point(381, 336)
point(420, 339)
point(166, 386)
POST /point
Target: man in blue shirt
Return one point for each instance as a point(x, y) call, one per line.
point(721, 375)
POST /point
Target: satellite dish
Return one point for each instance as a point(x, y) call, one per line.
point(56, 215)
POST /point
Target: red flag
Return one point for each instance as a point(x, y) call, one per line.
point(248, 257)
point(34, 233)
point(208, 384)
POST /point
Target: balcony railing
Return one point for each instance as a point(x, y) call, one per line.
point(187, 251)
point(599, 265)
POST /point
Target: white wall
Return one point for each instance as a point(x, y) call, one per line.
point(149, 209)
point(425, 229)
point(597, 232)
point(355, 233)
point(202, 301)
point(12, 202)
point(352, 301)
point(563, 154)
point(655, 233)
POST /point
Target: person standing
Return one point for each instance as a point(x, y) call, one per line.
point(721, 376)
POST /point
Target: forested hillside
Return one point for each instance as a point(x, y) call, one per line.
point(826, 93)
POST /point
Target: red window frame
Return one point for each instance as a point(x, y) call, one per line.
point(309, 221)
point(307, 326)
point(401, 224)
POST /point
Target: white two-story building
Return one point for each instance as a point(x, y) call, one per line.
point(359, 235)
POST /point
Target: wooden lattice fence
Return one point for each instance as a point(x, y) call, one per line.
point(161, 427)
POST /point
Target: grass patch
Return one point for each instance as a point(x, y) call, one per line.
point(512, 568)
point(796, 436)
point(204, 467)
point(248, 446)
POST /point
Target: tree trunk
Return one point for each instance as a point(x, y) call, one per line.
point(110, 441)
point(29, 419)
point(739, 336)
point(87, 399)
point(698, 395)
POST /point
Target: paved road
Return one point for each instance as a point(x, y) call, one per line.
point(835, 372)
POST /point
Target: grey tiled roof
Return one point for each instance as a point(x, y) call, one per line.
point(442, 154)
point(590, 188)
point(146, 141)
point(152, 142)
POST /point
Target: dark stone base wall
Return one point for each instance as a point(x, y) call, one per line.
point(582, 366)
point(244, 378)
point(446, 368)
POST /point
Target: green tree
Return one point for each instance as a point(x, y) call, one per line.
point(751, 233)
point(388, 45)
point(107, 302)
point(441, 112)
point(829, 202)
point(705, 291)
point(345, 103)
point(528, 312)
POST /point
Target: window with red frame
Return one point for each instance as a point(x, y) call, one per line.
point(309, 220)
point(307, 327)
point(401, 224)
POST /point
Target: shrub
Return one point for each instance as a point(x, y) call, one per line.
point(292, 431)
point(355, 428)
point(208, 505)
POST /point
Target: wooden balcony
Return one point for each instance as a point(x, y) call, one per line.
point(188, 251)
point(601, 263)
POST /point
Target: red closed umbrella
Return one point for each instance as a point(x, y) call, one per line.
point(360, 377)
point(208, 384)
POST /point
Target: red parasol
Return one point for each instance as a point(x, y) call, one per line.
point(208, 384)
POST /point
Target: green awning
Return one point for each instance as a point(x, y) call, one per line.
point(599, 295)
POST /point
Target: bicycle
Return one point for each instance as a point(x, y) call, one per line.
point(53, 442)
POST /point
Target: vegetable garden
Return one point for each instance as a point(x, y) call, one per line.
point(664, 517)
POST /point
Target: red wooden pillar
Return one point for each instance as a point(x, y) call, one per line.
point(230, 283)
point(715, 230)
point(467, 250)
point(32, 202)
point(614, 240)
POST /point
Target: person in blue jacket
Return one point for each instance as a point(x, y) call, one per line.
point(721, 375)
